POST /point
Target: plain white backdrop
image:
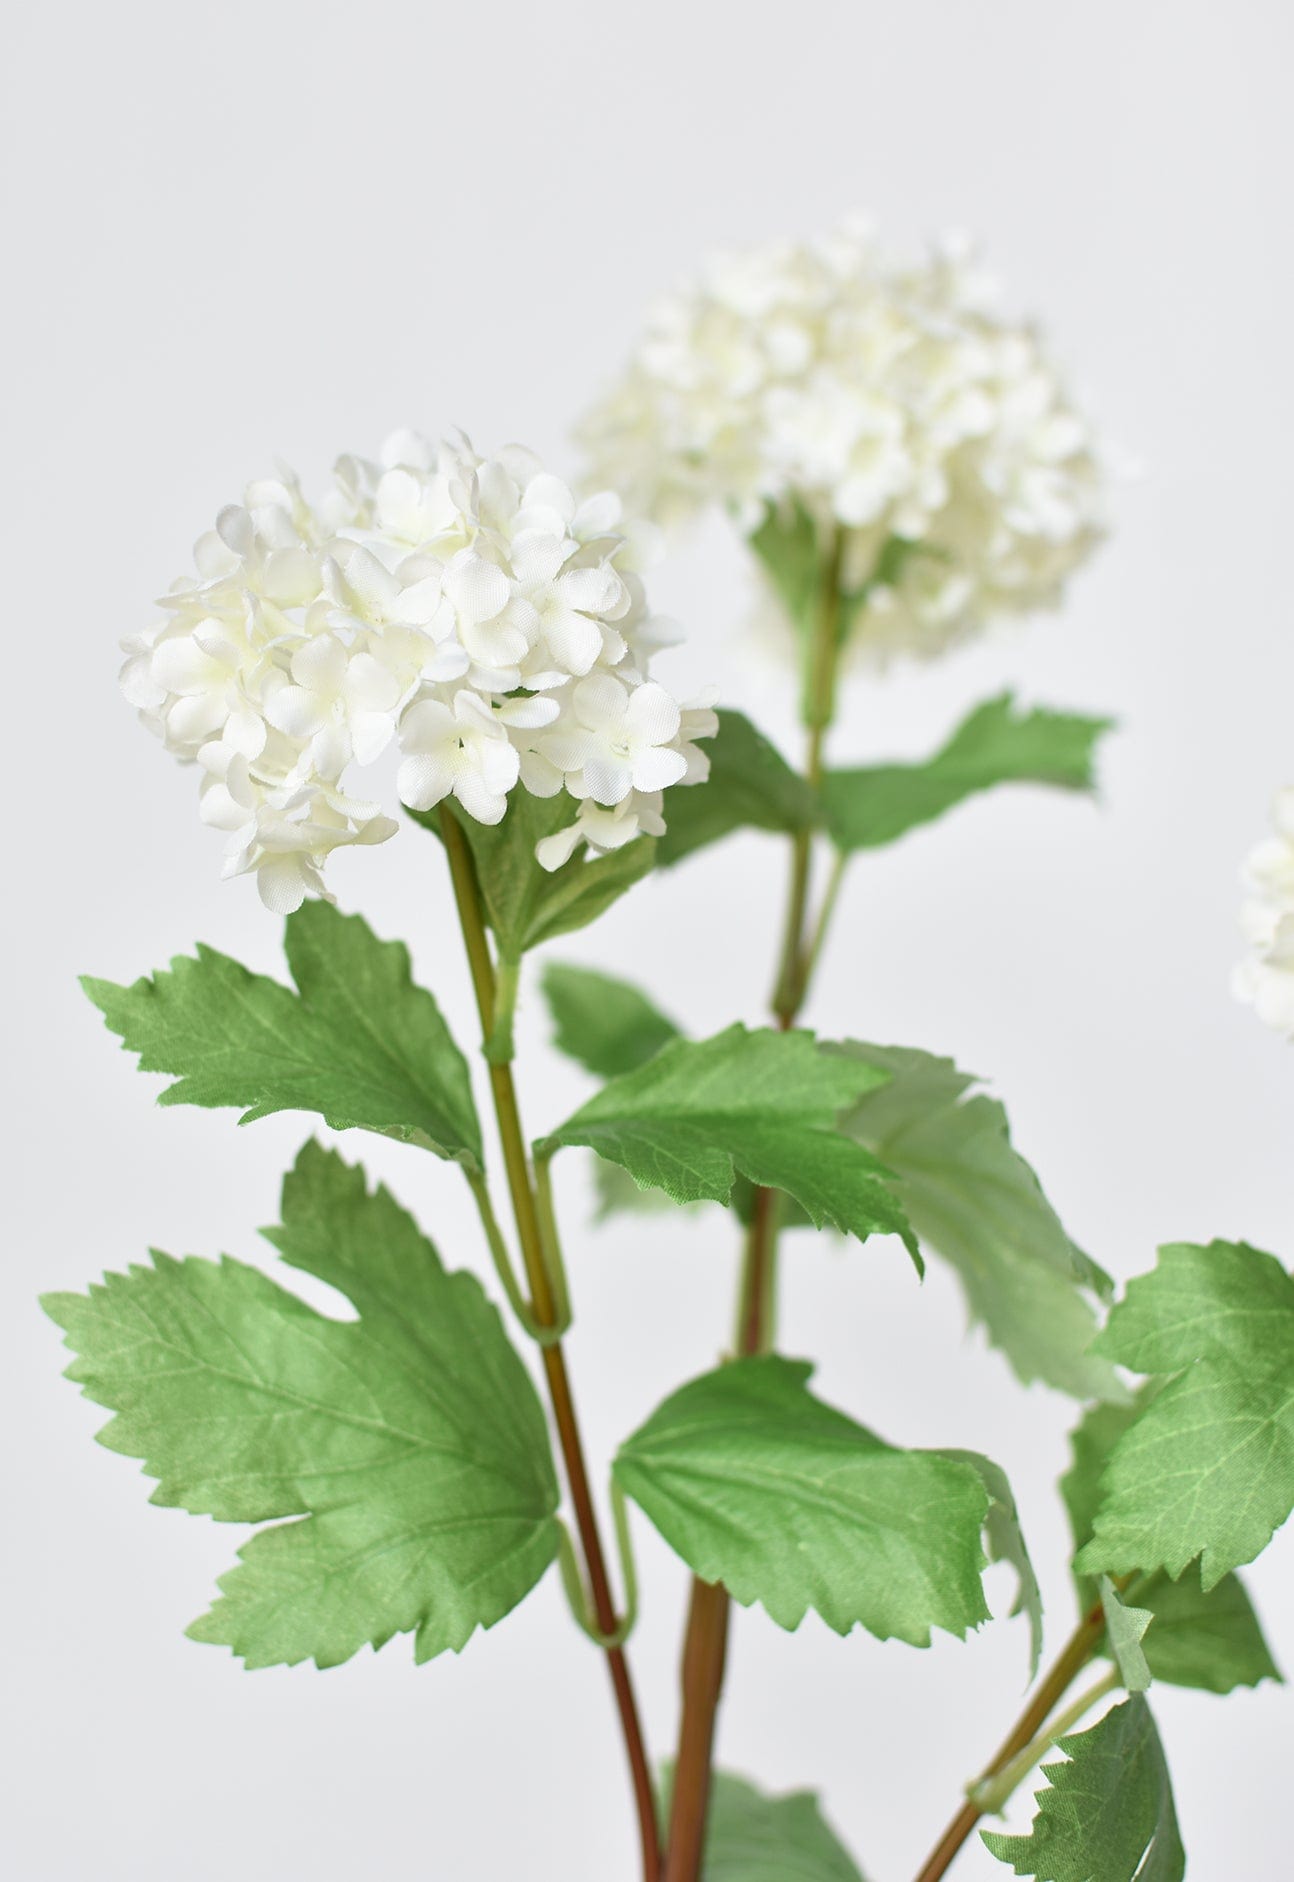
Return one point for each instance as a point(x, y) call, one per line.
point(253, 230)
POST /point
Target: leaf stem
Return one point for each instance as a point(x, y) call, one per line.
point(1053, 1686)
point(993, 1795)
point(498, 1248)
point(705, 1649)
point(545, 1305)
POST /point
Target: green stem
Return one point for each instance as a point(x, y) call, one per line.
point(503, 1264)
point(993, 1795)
point(1053, 1686)
point(705, 1649)
point(818, 939)
point(546, 1307)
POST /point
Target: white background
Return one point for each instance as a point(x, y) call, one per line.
point(248, 230)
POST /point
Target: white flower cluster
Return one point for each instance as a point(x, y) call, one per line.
point(887, 400)
point(1266, 979)
point(469, 607)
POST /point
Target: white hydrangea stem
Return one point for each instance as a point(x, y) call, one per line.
point(822, 660)
point(706, 1642)
point(549, 1310)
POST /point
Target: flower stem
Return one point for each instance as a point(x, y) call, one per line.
point(705, 1648)
point(1069, 1663)
point(546, 1306)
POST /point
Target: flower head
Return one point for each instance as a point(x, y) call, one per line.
point(1266, 979)
point(887, 402)
point(468, 608)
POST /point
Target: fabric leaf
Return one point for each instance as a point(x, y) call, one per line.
point(757, 1104)
point(358, 1041)
point(976, 1203)
point(1207, 1469)
point(752, 1837)
point(410, 1443)
point(604, 1024)
point(1211, 1641)
point(757, 1484)
point(997, 744)
point(1108, 1815)
point(750, 787)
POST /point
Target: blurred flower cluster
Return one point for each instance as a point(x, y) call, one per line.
point(468, 608)
point(1266, 979)
point(885, 399)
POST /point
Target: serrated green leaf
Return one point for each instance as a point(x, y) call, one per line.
point(410, 1441)
point(1004, 1539)
point(1207, 1470)
point(975, 1202)
point(525, 904)
point(760, 1104)
point(1211, 1641)
point(1108, 1815)
point(752, 1837)
point(1125, 1629)
point(604, 1024)
point(358, 1042)
point(758, 1485)
point(996, 744)
point(750, 787)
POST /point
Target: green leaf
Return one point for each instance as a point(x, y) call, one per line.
point(1211, 1641)
point(750, 786)
point(974, 1201)
point(604, 1024)
point(525, 904)
point(751, 1837)
point(787, 545)
point(1207, 1469)
point(875, 804)
point(760, 1104)
point(758, 1485)
point(358, 1042)
point(1004, 1540)
point(410, 1441)
point(1108, 1815)
point(1125, 1628)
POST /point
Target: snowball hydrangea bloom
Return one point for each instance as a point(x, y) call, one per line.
point(466, 608)
point(885, 399)
point(1266, 979)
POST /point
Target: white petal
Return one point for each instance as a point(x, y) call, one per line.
point(573, 640)
point(607, 779)
point(294, 710)
point(427, 723)
point(658, 767)
point(537, 556)
point(423, 780)
point(652, 715)
point(600, 702)
point(525, 714)
point(552, 851)
point(281, 882)
point(593, 591)
point(478, 800)
point(597, 515)
point(478, 589)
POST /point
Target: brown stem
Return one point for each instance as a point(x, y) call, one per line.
point(705, 1647)
point(544, 1307)
point(1069, 1663)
